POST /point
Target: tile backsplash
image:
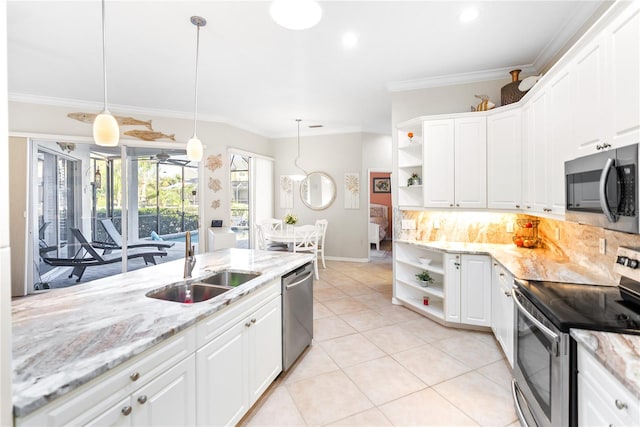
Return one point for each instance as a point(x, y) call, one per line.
point(568, 241)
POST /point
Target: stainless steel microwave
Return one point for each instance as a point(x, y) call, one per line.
point(602, 189)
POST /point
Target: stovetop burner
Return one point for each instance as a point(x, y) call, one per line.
point(571, 305)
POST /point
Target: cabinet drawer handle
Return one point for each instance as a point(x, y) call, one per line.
point(134, 376)
point(517, 206)
point(458, 205)
point(621, 405)
point(126, 410)
point(507, 294)
point(450, 205)
point(248, 324)
point(253, 320)
point(528, 207)
point(142, 399)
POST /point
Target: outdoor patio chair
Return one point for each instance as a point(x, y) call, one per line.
point(116, 240)
point(43, 246)
point(87, 256)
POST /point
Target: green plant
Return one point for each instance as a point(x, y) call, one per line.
point(290, 219)
point(424, 276)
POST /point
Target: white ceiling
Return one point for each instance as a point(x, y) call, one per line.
point(259, 76)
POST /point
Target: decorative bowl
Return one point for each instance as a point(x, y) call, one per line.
point(424, 261)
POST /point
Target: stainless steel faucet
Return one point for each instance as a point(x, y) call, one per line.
point(189, 256)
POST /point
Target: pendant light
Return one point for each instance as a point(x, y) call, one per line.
point(295, 162)
point(105, 126)
point(194, 146)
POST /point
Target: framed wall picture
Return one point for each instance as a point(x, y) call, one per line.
point(382, 185)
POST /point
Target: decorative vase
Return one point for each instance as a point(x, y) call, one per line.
point(510, 92)
point(424, 283)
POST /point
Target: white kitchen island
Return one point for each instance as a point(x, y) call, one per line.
point(108, 337)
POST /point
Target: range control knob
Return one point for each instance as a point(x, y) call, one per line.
point(622, 260)
point(633, 263)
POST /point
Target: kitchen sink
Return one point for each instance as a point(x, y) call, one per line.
point(229, 278)
point(189, 292)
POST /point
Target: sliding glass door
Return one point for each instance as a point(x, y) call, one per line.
point(86, 206)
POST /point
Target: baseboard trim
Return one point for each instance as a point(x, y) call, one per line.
point(337, 258)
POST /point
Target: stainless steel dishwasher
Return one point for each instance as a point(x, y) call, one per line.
point(297, 313)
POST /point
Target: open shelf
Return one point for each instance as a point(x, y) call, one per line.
point(434, 308)
point(433, 290)
point(433, 268)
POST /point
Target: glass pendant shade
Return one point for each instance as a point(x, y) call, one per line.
point(194, 149)
point(105, 130)
point(296, 14)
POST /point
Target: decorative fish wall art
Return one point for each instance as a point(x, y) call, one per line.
point(122, 121)
point(149, 135)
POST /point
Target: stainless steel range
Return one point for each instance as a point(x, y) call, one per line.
point(544, 385)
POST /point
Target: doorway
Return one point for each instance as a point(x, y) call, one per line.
point(380, 227)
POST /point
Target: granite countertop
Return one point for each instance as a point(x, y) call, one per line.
point(618, 353)
point(528, 264)
point(66, 337)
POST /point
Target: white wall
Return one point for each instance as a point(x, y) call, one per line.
point(334, 155)
point(36, 119)
point(6, 406)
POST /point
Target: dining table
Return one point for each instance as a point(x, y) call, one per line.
point(290, 234)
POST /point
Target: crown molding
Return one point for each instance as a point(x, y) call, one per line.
point(128, 109)
point(456, 79)
point(566, 32)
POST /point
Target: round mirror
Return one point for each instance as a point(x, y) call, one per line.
point(317, 191)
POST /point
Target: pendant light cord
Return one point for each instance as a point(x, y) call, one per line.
point(295, 162)
point(195, 95)
point(104, 62)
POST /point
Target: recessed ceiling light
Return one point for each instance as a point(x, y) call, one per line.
point(296, 14)
point(349, 40)
point(469, 14)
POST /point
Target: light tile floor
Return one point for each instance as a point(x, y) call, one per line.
point(375, 364)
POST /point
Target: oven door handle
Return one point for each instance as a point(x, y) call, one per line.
point(603, 190)
point(548, 332)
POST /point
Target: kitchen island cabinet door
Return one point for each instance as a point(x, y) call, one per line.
point(265, 348)
point(119, 415)
point(170, 399)
point(222, 378)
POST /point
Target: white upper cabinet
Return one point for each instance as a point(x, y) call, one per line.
point(504, 160)
point(455, 153)
point(439, 158)
point(536, 154)
point(589, 102)
point(561, 93)
point(624, 80)
point(471, 162)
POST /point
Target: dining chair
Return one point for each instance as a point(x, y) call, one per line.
point(262, 228)
point(322, 225)
point(306, 240)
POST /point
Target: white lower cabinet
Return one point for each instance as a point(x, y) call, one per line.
point(461, 287)
point(169, 399)
point(409, 261)
point(235, 368)
point(468, 289)
point(602, 399)
point(475, 290)
point(209, 374)
point(157, 387)
point(502, 310)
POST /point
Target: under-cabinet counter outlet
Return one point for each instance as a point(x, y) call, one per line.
point(408, 224)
